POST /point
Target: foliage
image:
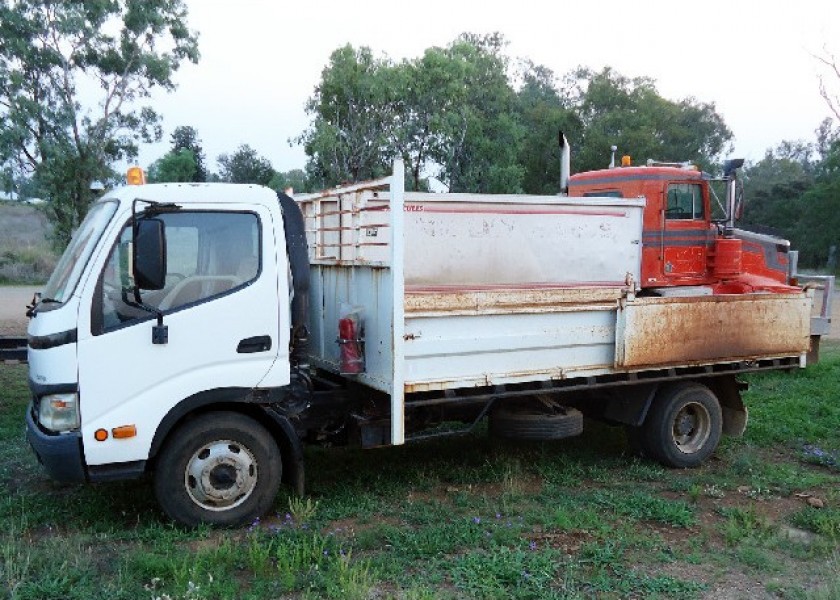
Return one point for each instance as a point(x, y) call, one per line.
point(51, 51)
point(794, 192)
point(819, 227)
point(245, 166)
point(774, 185)
point(295, 179)
point(481, 156)
point(630, 113)
point(186, 138)
point(543, 111)
point(351, 115)
point(174, 166)
point(460, 114)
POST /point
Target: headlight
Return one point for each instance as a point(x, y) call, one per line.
point(59, 412)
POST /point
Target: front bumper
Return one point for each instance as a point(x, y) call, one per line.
point(60, 454)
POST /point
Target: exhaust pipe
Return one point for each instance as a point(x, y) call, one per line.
point(565, 164)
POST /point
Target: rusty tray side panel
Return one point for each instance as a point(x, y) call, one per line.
point(656, 332)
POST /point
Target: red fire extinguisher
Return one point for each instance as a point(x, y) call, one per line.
point(351, 356)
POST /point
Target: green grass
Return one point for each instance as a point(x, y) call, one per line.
point(460, 518)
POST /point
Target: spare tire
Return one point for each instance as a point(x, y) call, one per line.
point(527, 423)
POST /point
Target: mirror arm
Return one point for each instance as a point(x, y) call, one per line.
point(160, 332)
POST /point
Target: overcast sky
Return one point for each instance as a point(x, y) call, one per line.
point(261, 59)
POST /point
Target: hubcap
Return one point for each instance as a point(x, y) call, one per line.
point(692, 427)
point(221, 475)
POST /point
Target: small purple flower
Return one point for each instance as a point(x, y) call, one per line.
point(326, 552)
point(532, 546)
point(341, 551)
point(476, 520)
point(498, 515)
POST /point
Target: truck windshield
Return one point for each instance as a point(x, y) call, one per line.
point(68, 271)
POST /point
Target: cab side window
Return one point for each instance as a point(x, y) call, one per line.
point(208, 255)
point(685, 201)
point(603, 194)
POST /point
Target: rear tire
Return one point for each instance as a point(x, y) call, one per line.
point(221, 468)
point(683, 426)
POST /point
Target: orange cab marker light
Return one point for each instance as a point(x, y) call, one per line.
point(100, 435)
point(135, 176)
point(124, 431)
point(626, 161)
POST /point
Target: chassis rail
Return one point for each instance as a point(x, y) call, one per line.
point(13, 349)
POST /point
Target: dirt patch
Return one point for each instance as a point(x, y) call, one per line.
point(13, 301)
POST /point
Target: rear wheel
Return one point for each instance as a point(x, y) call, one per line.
point(221, 468)
point(683, 426)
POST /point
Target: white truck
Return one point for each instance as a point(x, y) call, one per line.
point(205, 332)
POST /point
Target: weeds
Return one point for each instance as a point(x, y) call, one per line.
point(745, 523)
point(302, 510)
point(822, 521)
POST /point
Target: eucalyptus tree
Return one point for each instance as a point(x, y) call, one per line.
point(73, 76)
point(630, 113)
point(245, 165)
point(186, 137)
point(347, 140)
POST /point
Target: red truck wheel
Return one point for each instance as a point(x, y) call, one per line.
point(684, 425)
point(220, 468)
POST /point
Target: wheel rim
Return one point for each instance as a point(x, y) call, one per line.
point(691, 428)
point(221, 475)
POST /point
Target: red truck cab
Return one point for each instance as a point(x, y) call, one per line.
point(682, 245)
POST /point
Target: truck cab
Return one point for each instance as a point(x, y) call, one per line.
point(683, 244)
point(115, 368)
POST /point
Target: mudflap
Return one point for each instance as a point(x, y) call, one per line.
point(291, 450)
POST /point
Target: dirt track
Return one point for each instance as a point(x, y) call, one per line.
point(13, 301)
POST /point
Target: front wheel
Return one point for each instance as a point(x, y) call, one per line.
point(220, 468)
point(684, 425)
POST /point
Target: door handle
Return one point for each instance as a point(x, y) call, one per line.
point(260, 343)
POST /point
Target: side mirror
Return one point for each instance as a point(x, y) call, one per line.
point(149, 261)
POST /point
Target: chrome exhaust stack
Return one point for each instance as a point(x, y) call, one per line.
point(565, 164)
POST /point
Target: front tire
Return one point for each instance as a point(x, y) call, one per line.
point(684, 425)
point(221, 468)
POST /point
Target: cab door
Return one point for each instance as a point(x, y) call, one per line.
point(221, 307)
point(686, 234)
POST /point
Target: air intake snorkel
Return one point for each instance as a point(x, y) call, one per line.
point(298, 253)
